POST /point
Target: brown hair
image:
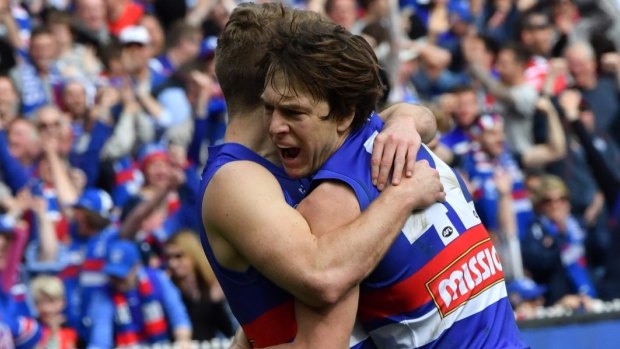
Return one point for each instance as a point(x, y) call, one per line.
point(240, 48)
point(330, 63)
point(188, 241)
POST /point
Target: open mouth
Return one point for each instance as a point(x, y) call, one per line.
point(289, 153)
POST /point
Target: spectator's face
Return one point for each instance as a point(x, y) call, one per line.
point(581, 67)
point(554, 204)
point(467, 108)
point(538, 37)
point(62, 33)
point(190, 46)
point(23, 140)
point(508, 67)
point(43, 51)
point(127, 283)
point(9, 101)
point(344, 13)
point(4, 248)
point(492, 140)
point(92, 13)
point(157, 173)
point(49, 308)
point(49, 122)
point(179, 263)
point(135, 57)
point(75, 99)
point(298, 128)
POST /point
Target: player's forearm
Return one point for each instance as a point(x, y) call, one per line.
point(425, 123)
point(351, 252)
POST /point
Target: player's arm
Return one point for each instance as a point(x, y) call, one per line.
point(330, 206)
point(244, 203)
point(406, 125)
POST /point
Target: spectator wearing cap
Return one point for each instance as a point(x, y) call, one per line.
point(122, 14)
point(139, 306)
point(167, 106)
point(79, 262)
point(174, 183)
point(526, 297)
point(553, 248)
point(23, 331)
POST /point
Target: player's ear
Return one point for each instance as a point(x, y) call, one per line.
point(345, 123)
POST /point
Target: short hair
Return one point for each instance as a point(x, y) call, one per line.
point(549, 183)
point(464, 89)
point(40, 30)
point(179, 31)
point(240, 48)
point(47, 285)
point(331, 64)
point(583, 47)
point(520, 53)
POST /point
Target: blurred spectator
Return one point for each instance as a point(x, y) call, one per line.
point(91, 19)
point(156, 34)
point(342, 12)
point(139, 306)
point(17, 328)
point(122, 14)
point(537, 35)
point(14, 24)
point(48, 294)
point(9, 101)
point(527, 298)
point(37, 77)
point(79, 262)
point(553, 248)
point(20, 149)
point(183, 45)
point(515, 100)
point(75, 60)
point(200, 291)
point(600, 91)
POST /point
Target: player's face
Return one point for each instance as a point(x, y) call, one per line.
point(298, 127)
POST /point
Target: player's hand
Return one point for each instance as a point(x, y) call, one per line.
point(397, 146)
point(424, 187)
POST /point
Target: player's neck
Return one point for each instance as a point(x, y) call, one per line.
point(250, 132)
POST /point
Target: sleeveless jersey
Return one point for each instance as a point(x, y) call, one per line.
point(264, 311)
point(441, 284)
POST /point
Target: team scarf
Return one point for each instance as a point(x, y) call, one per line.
point(572, 253)
point(148, 324)
point(34, 95)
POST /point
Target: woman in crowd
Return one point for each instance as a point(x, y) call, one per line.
point(202, 295)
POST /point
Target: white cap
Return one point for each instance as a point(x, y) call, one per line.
point(134, 34)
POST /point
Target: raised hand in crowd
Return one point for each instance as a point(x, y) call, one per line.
point(201, 89)
point(569, 101)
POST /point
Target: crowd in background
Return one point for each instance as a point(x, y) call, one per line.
point(107, 108)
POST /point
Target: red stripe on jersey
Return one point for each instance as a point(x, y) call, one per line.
point(277, 326)
point(424, 285)
point(93, 264)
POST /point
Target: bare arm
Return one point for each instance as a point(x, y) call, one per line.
point(67, 193)
point(493, 86)
point(555, 148)
point(48, 242)
point(276, 240)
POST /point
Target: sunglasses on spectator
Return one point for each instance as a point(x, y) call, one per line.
point(548, 200)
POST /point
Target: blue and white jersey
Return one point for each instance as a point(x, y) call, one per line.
point(441, 284)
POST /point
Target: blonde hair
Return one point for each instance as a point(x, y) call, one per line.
point(549, 183)
point(189, 242)
point(47, 285)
